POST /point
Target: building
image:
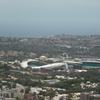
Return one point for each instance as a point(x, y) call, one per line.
point(43, 58)
point(30, 96)
point(52, 81)
point(74, 65)
point(35, 90)
point(13, 93)
point(10, 99)
point(91, 64)
point(85, 96)
point(59, 76)
point(2, 98)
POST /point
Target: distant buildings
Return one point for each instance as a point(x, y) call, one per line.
point(52, 81)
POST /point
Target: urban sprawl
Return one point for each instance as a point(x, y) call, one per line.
point(62, 67)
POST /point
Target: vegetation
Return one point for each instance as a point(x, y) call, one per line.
point(58, 46)
point(48, 93)
point(71, 86)
point(74, 46)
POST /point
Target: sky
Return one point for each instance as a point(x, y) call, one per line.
point(39, 18)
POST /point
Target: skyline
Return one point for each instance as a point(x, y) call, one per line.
point(38, 18)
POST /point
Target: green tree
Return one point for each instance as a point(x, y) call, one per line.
point(50, 93)
point(17, 98)
point(98, 89)
point(7, 96)
point(41, 98)
point(42, 93)
point(22, 90)
point(68, 98)
point(27, 90)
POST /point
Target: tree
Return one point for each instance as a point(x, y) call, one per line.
point(51, 94)
point(41, 98)
point(7, 96)
point(0, 85)
point(42, 93)
point(27, 90)
point(68, 98)
point(17, 98)
point(22, 90)
point(98, 88)
point(14, 85)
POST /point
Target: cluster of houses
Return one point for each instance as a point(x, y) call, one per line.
point(34, 92)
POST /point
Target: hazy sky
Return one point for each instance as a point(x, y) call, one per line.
point(33, 18)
